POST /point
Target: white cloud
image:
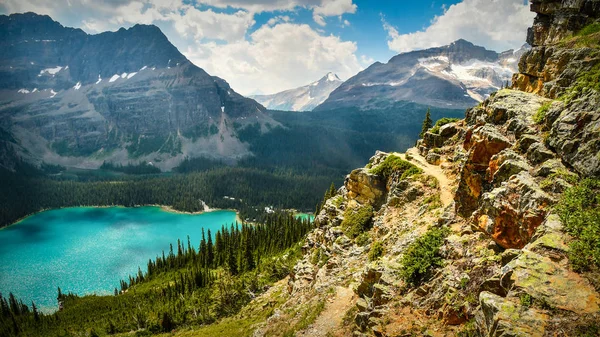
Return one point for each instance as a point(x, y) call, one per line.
point(277, 58)
point(495, 24)
point(208, 24)
point(321, 8)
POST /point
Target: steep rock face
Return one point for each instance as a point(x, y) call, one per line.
point(561, 64)
point(558, 19)
point(78, 100)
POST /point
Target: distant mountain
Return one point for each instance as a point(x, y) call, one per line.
point(453, 76)
point(304, 98)
point(75, 99)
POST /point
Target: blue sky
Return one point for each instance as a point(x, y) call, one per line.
point(265, 46)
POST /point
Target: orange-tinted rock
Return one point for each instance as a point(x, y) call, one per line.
point(483, 143)
point(510, 214)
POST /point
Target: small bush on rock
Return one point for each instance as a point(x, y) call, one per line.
point(441, 122)
point(422, 256)
point(540, 115)
point(393, 164)
point(376, 251)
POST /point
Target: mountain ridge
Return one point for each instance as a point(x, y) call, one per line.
point(456, 75)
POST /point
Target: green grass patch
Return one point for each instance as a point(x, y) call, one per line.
point(588, 80)
point(393, 164)
point(309, 316)
point(441, 122)
point(579, 209)
point(589, 29)
point(540, 115)
point(422, 256)
point(337, 201)
point(357, 221)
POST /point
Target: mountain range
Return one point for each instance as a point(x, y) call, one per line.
point(453, 76)
point(113, 96)
point(304, 98)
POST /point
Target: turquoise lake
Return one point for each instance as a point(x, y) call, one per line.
point(87, 250)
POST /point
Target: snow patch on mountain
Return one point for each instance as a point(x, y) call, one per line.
point(51, 71)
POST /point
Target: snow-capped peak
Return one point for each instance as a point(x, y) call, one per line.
point(331, 77)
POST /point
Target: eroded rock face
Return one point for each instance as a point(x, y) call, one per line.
point(510, 214)
point(365, 187)
point(504, 165)
point(558, 19)
point(575, 135)
point(483, 143)
point(501, 317)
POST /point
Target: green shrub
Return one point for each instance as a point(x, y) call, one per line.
point(393, 164)
point(357, 221)
point(579, 209)
point(441, 122)
point(362, 239)
point(540, 115)
point(526, 300)
point(376, 251)
point(422, 256)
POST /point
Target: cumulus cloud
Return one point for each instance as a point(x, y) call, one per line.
point(208, 24)
point(320, 8)
point(495, 24)
point(276, 58)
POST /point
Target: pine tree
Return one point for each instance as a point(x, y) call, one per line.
point(209, 251)
point(36, 315)
point(332, 190)
point(427, 123)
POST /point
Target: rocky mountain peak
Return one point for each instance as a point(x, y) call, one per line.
point(304, 98)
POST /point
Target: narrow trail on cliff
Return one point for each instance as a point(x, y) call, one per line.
point(331, 318)
point(432, 170)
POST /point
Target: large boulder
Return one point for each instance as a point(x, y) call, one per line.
point(511, 213)
point(365, 187)
point(575, 135)
point(550, 283)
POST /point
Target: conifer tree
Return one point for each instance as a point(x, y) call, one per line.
point(36, 315)
point(209, 251)
point(427, 123)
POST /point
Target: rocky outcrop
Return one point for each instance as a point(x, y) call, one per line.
point(558, 19)
point(365, 187)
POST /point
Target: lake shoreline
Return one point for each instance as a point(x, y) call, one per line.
point(165, 208)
